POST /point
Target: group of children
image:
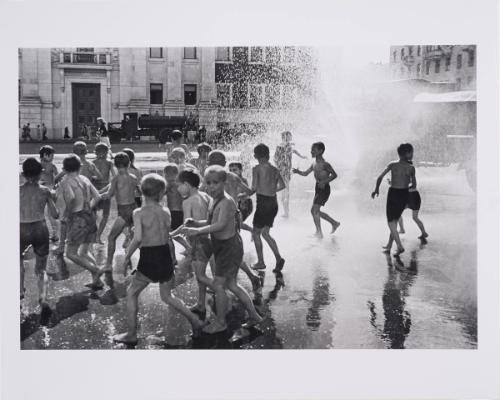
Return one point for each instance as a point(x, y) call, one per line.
point(197, 203)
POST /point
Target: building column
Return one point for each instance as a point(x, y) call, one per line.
point(173, 102)
point(208, 92)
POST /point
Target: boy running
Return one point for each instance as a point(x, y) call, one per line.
point(123, 187)
point(324, 174)
point(34, 198)
point(48, 178)
point(201, 163)
point(88, 169)
point(402, 174)
point(151, 235)
point(227, 248)
point(134, 171)
point(106, 170)
point(266, 182)
point(80, 197)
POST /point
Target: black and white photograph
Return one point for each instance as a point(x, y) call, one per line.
point(221, 200)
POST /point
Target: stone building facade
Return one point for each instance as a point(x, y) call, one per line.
point(450, 64)
point(69, 87)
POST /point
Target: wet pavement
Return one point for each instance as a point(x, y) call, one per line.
point(338, 292)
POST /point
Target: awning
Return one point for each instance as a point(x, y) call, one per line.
point(447, 97)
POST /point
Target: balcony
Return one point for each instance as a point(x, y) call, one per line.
point(87, 60)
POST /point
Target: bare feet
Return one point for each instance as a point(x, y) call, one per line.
point(256, 283)
point(399, 251)
point(252, 322)
point(424, 235)
point(386, 249)
point(125, 338)
point(402, 231)
point(279, 265)
point(259, 266)
point(335, 226)
point(317, 235)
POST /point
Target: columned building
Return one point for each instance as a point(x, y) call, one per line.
point(70, 87)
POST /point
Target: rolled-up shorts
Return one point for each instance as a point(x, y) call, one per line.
point(81, 228)
point(228, 256)
point(126, 212)
point(35, 234)
point(266, 211)
point(414, 201)
point(155, 263)
point(397, 199)
point(321, 195)
point(201, 248)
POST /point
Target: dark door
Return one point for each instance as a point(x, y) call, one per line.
point(86, 106)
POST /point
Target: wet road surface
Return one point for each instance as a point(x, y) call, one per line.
point(338, 292)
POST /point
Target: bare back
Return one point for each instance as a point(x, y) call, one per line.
point(33, 199)
point(155, 225)
point(125, 186)
point(265, 179)
point(104, 166)
point(401, 173)
point(197, 206)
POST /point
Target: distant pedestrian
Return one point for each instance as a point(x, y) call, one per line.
point(102, 134)
point(38, 133)
point(66, 133)
point(44, 132)
point(28, 132)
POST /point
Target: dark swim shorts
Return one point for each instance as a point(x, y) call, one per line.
point(201, 248)
point(396, 203)
point(266, 211)
point(81, 228)
point(126, 212)
point(177, 219)
point(155, 263)
point(138, 201)
point(321, 196)
point(414, 201)
point(35, 234)
point(228, 256)
point(246, 207)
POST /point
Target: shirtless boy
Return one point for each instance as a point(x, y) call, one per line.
point(151, 235)
point(106, 170)
point(34, 198)
point(177, 142)
point(201, 163)
point(80, 197)
point(324, 174)
point(88, 169)
point(178, 157)
point(48, 179)
point(227, 248)
point(402, 175)
point(123, 187)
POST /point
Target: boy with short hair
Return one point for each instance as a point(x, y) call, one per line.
point(227, 248)
point(47, 178)
point(178, 157)
point(80, 197)
point(283, 161)
point(106, 170)
point(88, 169)
point(34, 198)
point(323, 174)
point(177, 141)
point(123, 187)
point(195, 206)
point(201, 163)
point(266, 182)
point(402, 175)
point(152, 226)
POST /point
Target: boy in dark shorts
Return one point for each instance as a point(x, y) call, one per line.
point(266, 182)
point(80, 197)
point(151, 235)
point(323, 174)
point(227, 248)
point(201, 163)
point(48, 179)
point(106, 170)
point(123, 187)
point(402, 175)
point(34, 198)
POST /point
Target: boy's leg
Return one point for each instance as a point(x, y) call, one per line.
point(133, 291)
point(317, 219)
point(72, 254)
point(117, 228)
point(256, 233)
point(393, 226)
point(273, 245)
point(326, 217)
point(388, 246)
point(104, 221)
point(243, 296)
point(52, 223)
point(167, 297)
point(219, 324)
point(203, 281)
point(285, 199)
point(401, 225)
point(84, 251)
point(420, 224)
point(21, 278)
point(254, 279)
point(42, 279)
point(62, 238)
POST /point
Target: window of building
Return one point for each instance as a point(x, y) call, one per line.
point(255, 96)
point(469, 80)
point(156, 93)
point(224, 95)
point(418, 69)
point(402, 53)
point(272, 55)
point(190, 95)
point(437, 67)
point(155, 52)
point(447, 63)
point(471, 58)
point(223, 54)
point(256, 54)
point(459, 61)
point(410, 50)
point(427, 67)
point(272, 96)
point(190, 53)
point(419, 50)
point(288, 55)
point(459, 84)
point(394, 55)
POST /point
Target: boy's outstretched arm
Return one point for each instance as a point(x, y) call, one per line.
point(297, 153)
point(303, 173)
point(112, 189)
point(379, 180)
point(216, 226)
